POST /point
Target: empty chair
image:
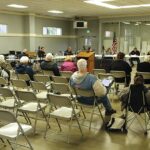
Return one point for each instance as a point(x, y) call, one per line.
point(11, 129)
point(20, 85)
point(64, 111)
point(3, 82)
point(43, 78)
point(30, 105)
point(119, 77)
point(97, 71)
point(66, 74)
point(40, 89)
point(9, 101)
point(60, 79)
point(23, 77)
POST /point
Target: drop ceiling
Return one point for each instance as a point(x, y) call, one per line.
point(72, 8)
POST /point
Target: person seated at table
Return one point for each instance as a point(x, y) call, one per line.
point(145, 67)
point(49, 64)
point(120, 65)
point(24, 68)
point(68, 51)
point(134, 52)
point(41, 52)
point(84, 80)
point(68, 65)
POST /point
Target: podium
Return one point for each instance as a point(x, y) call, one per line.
point(89, 56)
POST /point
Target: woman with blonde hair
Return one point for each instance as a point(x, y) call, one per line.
point(68, 65)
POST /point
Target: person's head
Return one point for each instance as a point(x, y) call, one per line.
point(24, 60)
point(82, 65)
point(147, 58)
point(42, 48)
point(120, 55)
point(49, 57)
point(69, 49)
point(2, 58)
point(24, 50)
point(68, 58)
point(138, 79)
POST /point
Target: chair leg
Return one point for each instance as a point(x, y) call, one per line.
point(58, 124)
point(10, 144)
point(91, 118)
point(83, 112)
point(34, 130)
point(69, 130)
point(79, 125)
point(45, 118)
point(101, 115)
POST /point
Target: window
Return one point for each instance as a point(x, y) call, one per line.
point(108, 34)
point(3, 28)
point(52, 31)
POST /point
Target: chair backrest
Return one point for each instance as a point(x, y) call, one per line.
point(3, 81)
point(42, 78)
point(48, 72)
point(97, 71)
point(26, 96)
point(66, 74)
point(59, 100)
point(7, 116)
point(19, 84)
point(104, 75)
point(23, 77)
point(85, 93)
point(6, 92)
point(38, 86)
point(136, 99)
point(62, 88)
point(118, 74)
point(146, 75)
point(59, 79)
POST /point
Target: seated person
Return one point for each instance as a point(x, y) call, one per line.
point(121, 65)
point(3, 66)
point(138, 82)
point(68, 65)
point(41, 52)
point(134, 52)
point(48, 64)
point(68, 51)
point(145, 67)
point(23, 53)
point(24, 68)
point(84, 80)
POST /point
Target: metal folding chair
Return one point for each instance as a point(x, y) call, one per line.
point(59, 79)
point(11, 129)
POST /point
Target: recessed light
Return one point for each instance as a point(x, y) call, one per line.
point(17, 6)
point(126, 22)
point(148, 24)
point(56, 11)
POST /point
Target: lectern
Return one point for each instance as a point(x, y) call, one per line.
point(89, 56)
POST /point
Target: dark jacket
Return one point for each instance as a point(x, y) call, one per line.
point(22, 69)
point(135, 53)
point(144, 67)
point(49, 65)
point(41, 54)
point(68, 52)
point(121, 65)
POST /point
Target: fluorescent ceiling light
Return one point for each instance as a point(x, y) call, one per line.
point(56, 11)
point(148, 24)
point(101, 3)
point(17, 6)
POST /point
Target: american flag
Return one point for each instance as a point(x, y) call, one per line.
point(114, 44)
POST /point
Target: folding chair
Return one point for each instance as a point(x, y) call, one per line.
point(43, 78)
point(40, 90)
point(59, 79)
point(138, 106)
point(97, 71)
point(146, 76)
point(88, 93)
point(48, 73)
point(3, 82)
point(9, 100)
point(12, 129)
point(66, 74)
point(64, 111)
point(20, 85)
point(24, 77)
point(31, 105)
point(117, 76)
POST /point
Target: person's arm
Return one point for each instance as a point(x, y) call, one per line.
point(56, 70)
point(99, 89)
